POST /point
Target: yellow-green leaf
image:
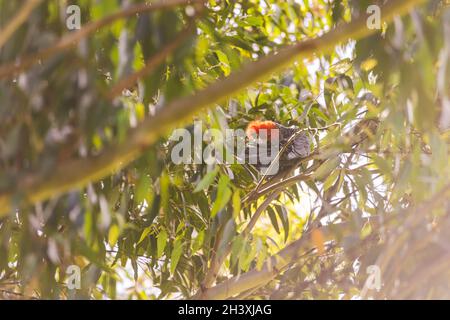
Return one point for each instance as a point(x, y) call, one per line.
point(223, 195)
point(113, 235)
point(161, 242)
point(224, 63)
point(206, 180)
point(176, 254)
point(236, 204)
point(144, 234)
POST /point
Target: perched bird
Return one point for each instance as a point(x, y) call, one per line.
point(263, 133)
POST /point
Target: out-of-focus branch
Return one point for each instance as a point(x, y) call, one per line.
point(17, 21)
point(416, 216)
point(434, 268)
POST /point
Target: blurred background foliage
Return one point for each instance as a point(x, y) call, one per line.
point(153, 229)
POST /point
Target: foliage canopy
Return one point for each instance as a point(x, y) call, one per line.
point(86, 176)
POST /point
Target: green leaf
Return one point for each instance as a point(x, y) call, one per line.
point(261, 254)
point(236, 204)
point(176, 254)
point(382, 164)
point(161, 242)
point(365, 231)
point(362, 184)
point(198, 241)
point(282, 213)
point(247, 256)
point(224, 63)
point(369, 64)
point(164, 185)
point(223, 195)
point(138, 62)
point(143, 189)
point(103, 8)
point(206, 180)
point(236, 249)
point(144, 234)
point(113, 235)
point(229, 231)
point(329, 181)
point(273, 219)
point(254, 21)
point(325, 169)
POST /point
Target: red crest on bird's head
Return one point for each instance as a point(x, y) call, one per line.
point(254, 127)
